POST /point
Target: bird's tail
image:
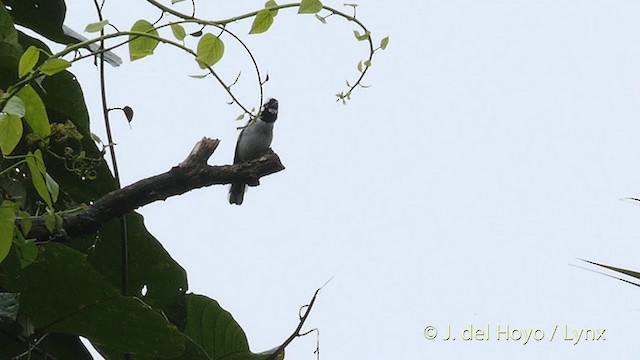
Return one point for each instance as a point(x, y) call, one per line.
point(236, 193)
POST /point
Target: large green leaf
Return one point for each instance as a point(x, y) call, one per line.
point(150, 265)
point(216, 332)
point(78, 298)
point(42, 16)
point(213, 328)
point(10, 50)
point(51, 346)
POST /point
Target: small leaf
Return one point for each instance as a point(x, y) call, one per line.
point(262, 22)
point(240, 117)
point(176, 1)
point(28, 60)
point(210, 50)
point(362, 37)
point(310, 7)
point(7, 226)
point(199, 76)
point(359, 66)
point(35, 111)
point(96, 26)
point(141, 46)
point(178, 31)
point(36, 176)
point(52, 186)
point(128, 112)
point(321, 19)
point(50, 222)
point(95, 138)
point(367, 63)
point(25, 222)
point(26, 249)
point(15, 106)
point(10, 132)
point(271, 3)
point(384, 42)
point(54, 66)
point(196, 33)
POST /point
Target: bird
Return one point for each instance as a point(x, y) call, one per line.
point(253, 141)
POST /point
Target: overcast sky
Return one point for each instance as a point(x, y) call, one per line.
point(491, 151)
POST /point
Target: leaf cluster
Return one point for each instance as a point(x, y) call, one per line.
point(52, 294)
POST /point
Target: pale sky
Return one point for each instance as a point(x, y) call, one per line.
point(492, 149)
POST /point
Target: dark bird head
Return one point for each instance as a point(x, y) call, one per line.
point(269, 112)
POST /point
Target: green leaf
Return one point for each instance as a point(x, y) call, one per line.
point(271, 3)
point(25, 222)
point(7, 226)
point(15, 106)
point(199, 76)
point(321, 19)
point(627, 272)
point(367, 63)
point(10, 132)
point(262, 22)
point(140, 46)
point(54, 66)
point(384, 42)
point(362, 37)
point(310, 7)
point(43, 17)
point(36, 113)
point(37, 178)
point(52, 186)
point(28, 60)
point(10, 49)
point(50, 222)
point(96, 26)
point(26, 250)
point(210, 50)
point(78, 298)
point(178, 31)
point(359, 68)
point(213, 328)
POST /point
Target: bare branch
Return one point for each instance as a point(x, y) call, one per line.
point(297, 332)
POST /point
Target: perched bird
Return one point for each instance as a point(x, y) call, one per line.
point(253, 141)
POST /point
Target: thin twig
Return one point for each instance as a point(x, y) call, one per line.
point(297, 332)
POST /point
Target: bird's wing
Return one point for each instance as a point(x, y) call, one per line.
point(237, 158)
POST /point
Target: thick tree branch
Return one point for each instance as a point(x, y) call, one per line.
point(192, 173)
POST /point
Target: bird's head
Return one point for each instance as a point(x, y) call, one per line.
point(269, 111)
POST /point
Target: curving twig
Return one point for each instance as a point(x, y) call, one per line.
point(297, 332)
